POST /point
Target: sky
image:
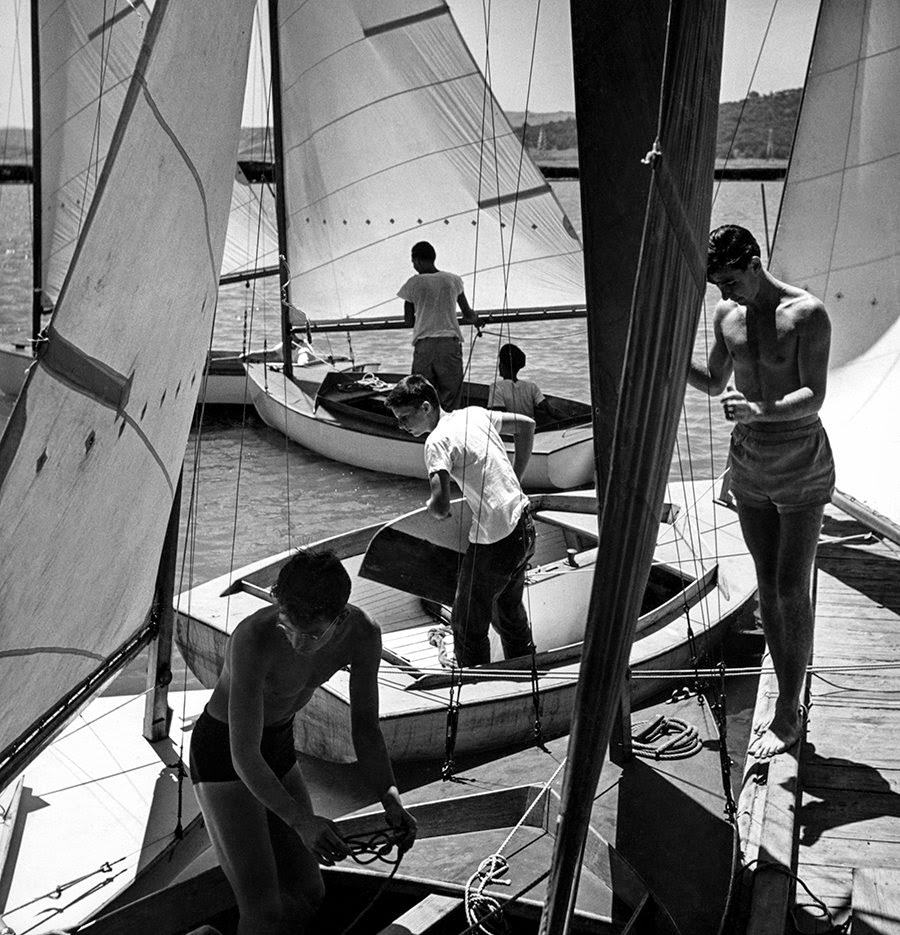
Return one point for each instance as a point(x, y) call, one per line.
point(782, 64)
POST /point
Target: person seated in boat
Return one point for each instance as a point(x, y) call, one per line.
point(430, 299)
point(265, 831)
point(774, 338)
point(465, 445)
point(514, 395)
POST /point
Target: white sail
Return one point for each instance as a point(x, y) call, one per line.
point(391, 136)
point(93, 450)
point(839, 236)
point(86, 58)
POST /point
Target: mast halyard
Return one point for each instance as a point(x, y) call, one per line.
point(644, 231)
point(37, 248)
point(280, 202)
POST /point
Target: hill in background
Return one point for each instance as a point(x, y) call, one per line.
point(766, 131)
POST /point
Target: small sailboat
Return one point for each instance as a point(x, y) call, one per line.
point(456, 175)
point(403, 575)
point(83, 57)
point(89, 469)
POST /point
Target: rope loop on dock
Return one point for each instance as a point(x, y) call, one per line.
point(678, 739)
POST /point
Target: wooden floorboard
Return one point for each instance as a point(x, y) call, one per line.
point(849, 812)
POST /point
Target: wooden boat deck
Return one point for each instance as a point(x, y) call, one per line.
point(832, 813)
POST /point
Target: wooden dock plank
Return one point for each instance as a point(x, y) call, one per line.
point(876, 901)
point(848, 818)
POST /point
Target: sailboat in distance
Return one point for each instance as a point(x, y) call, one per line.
point(91, 456)
point(83, 57)
point(386, 133)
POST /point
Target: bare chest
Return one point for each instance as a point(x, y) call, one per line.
point(764, 351)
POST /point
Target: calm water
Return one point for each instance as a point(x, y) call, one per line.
point(254, 493)
point(257, 494)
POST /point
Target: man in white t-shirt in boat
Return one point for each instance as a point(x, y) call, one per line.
point(465, 445)
point(430, 299)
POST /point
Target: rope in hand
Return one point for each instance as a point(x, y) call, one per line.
point(679, 739)
point(368, 847)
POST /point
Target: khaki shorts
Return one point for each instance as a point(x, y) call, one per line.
point(439, 360)
point(785, 465)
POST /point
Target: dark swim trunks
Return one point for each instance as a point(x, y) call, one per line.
point(787, 465)
point(211, 749)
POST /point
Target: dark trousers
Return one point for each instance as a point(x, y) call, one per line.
point(489, 590)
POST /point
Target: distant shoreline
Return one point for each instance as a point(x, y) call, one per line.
point(553, 165)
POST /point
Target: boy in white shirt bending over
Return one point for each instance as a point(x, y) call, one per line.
point(430, 299)
point(466, 446)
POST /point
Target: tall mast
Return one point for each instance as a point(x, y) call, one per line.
point(644, 229)
point(280, 205)
point(37, 249)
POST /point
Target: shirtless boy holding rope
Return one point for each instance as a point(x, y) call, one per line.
point(775, 339)
point(265, 833)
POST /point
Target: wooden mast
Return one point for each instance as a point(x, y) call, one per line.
point(644, 230)
point(280, 204)
point(37, 248)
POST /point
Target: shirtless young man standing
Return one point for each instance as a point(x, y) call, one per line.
point(775, 339)
point(267, 837)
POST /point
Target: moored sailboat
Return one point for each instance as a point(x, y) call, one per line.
point(456, 174)
point(91, 455)
point(83, 57)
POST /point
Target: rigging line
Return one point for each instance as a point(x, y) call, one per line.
point(105, 47)
point(17, 60)
point(244, 407)
point(737, 124)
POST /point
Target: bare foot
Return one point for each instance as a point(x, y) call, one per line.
point(780, 735)
point(762, 722)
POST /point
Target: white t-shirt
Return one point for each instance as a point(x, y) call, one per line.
point(466, 443)
point(520, 397)
point(434, 296)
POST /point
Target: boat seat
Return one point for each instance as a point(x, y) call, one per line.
point(425, 916)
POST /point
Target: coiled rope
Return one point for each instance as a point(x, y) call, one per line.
point(666, 739)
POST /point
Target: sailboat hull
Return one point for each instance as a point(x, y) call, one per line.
point(497, 707)
point(562, 459)
point(225, 384)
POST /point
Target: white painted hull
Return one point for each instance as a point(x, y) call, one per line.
point(496, 713)
point(560, 460)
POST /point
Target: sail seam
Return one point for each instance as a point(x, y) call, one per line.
point(405, 21)
point(854, 63)
point(148, 97)
point(674, 207)
point(516, 196)
point(130, 7)
point(845, 168)
point(466, 144)
point(382, 100)
point(50, 651)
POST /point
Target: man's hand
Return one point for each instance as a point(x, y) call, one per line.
point(438, 506)
point(737, 408)
point(401, 820)
point(320, 837)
